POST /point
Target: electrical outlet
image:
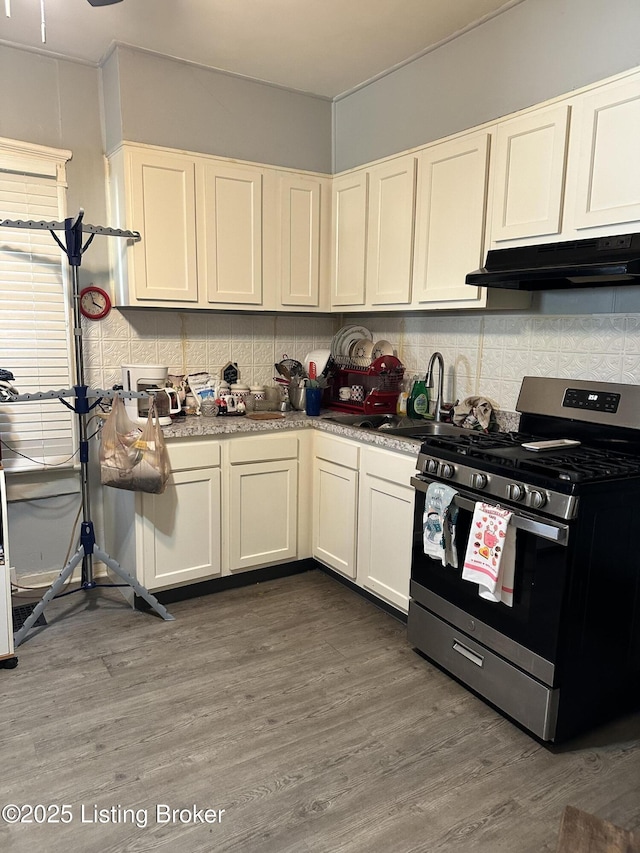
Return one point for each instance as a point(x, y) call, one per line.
point(13, 577)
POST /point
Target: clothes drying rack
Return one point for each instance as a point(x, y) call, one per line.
point(87, 548)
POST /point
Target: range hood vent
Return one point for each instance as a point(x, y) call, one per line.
point(552, 266)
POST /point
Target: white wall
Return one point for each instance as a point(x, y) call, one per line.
point(171, 103)
point(532, 52)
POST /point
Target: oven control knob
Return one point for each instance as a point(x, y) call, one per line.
point(447, 470)
point(515, 491)
point(479, 481)
point(432, 466)
point(537, 499)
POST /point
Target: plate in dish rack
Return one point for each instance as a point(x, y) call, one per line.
point(353, 334)
point(360, 352)
point(345, 337)
point(381, 348)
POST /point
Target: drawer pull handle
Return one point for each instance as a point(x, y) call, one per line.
point(467, 653)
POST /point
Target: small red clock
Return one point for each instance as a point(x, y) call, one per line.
point(95, 303)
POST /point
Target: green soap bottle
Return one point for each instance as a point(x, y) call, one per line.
point(418, 403)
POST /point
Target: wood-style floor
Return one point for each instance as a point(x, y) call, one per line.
point(297, 707)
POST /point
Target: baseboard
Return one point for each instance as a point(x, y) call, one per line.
point(43, 580)
point(182, 593)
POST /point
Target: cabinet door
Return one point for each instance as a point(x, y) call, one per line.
point(349, 240)
point(263, 513)
point(450, 218)
point(335, 500)
point(181, 530)
point(528, 172)
point(300, 240)
point(390, 231)
point(385, 538)
point(608, 170)
point(230, 237)
point(6, 626)
point(163, 210)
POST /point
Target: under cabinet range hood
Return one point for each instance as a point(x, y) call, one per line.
point(552, 266)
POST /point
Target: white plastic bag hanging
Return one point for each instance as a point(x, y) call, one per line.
point(132, 458)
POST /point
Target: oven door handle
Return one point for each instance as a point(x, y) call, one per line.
point(545, 530)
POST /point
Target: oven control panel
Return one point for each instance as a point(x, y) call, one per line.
point(489, 486)
point(594, 401)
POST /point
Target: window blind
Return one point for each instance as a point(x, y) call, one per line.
point(35, 320)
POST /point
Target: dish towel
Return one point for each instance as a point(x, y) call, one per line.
point(439, 524)
point(491, 552)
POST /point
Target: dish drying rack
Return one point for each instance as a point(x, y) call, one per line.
point(381, 380)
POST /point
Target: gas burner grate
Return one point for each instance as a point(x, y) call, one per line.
point(502, 451)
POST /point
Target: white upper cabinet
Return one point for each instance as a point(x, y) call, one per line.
point(218, 232)
point(528, 172)
point(302, 267)
point(390, 231)
point(349, 244)
point(230, 239)
point(156, 198)
point(450, 219)
point(607, 177)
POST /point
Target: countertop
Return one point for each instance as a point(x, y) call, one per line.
point(197, 425)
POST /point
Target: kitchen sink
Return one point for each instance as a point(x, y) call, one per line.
point(366, 421)
point(396, 425)
point(424, 429)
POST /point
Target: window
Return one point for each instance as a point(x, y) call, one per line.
point(35, 315)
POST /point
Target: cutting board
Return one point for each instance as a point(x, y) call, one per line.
point(265, 416)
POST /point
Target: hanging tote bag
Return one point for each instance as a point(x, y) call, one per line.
point(132, 458)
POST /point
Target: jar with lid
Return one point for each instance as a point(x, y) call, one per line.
point(257, 392)
point(239, 390)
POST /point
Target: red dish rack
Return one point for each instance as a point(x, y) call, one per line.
point(381, 380)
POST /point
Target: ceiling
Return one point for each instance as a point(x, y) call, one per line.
point(323, 47)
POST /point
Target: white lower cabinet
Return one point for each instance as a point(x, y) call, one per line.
point(6, 625)
point(385, 525)
point(239, 503)
point(231, 504)
point(180, 530)
point(363, 515)
point(335, 503)
point(262, 501)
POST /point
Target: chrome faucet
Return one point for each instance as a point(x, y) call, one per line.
point(438, 411)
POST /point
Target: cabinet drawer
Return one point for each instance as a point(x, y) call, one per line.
point(516, 693)
point(390, 466)
point(193, 454)
point(263, 449)
point(337, 450)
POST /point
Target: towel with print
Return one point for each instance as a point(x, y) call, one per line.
point(490, 557)
point(439, 524)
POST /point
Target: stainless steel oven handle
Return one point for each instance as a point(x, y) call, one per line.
point(467, 653)
point(545, 530)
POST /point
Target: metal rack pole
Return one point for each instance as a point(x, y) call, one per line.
point(74, 249)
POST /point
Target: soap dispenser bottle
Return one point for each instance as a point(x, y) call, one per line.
point(418, 404)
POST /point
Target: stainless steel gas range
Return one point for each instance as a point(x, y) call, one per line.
point(564, 655)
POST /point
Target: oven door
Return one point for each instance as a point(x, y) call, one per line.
point(527, 633)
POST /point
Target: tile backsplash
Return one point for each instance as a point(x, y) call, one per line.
point(188, 342)
point(484, 354)
point(490, 354)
